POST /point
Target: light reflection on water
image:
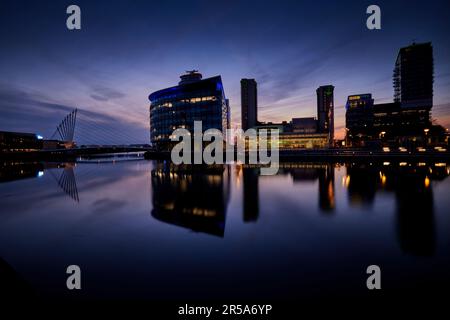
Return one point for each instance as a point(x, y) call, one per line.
point(144, 229)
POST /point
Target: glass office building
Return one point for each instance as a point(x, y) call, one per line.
point(325, 111)
point(249, 103)
point(359, 115)
point(194, 99)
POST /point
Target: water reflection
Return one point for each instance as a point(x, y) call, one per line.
point(135, 218)
point(324, 174)
point(361, 182)
point(13, 286)
point(10, 171)
point(412, 187)
point(67, 181)
point(190, 197)
point(415, 213)
point(251, 194)
point(197, 198)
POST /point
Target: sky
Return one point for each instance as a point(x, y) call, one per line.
point(127, 49)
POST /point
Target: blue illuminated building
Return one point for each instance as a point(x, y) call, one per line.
point(194, 99)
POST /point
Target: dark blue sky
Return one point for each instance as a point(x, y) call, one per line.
point(128, 49)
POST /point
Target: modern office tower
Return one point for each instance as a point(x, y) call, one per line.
point(325, 111)
point(413, 76)
point(226, 119)
point(249, 103)
point(359, 119)
point(194, 99)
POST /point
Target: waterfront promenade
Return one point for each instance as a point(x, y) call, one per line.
point(340, 154)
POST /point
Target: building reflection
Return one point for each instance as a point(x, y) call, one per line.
point(300, 172)
point(10, 171)
point(65, 178)
point(191, 198)
point(13, 285)
point(250, 177)
point(326, 189)
point(361, 182)
point(324, 174)
point(415, 213)
point(67, 181)
point(412, 186)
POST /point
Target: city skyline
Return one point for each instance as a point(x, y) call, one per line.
point(108, 68)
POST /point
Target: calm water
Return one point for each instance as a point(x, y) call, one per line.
point(140, 229)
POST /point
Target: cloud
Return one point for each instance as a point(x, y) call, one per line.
point(102, 93)
point(26, 111)
point(107, 204)
point(440, 112)
point(98, 98)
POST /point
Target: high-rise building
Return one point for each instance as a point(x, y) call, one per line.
point(194, 99)
point(359, 118)
point(249, 103)
point(413, 76)
point(226, 120)
point(325, 111)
